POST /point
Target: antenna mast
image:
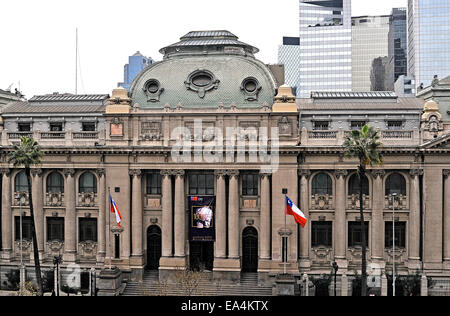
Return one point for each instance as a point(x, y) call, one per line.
point(76, 61)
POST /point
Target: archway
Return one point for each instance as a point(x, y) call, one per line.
point(250, 250)
point(153, 247)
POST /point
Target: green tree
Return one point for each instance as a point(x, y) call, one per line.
point(28, 153)
point(363, 145)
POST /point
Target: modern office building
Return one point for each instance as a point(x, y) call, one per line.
point(397, 43)
point(289, 56)
point(325, 46)
point(369, 43)
point(428, 40)
point(136, 64)
point(405, 86)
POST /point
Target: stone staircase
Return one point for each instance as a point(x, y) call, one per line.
point(151, 286)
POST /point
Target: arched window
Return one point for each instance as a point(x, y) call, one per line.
point(55, 183)
point(322, 185)
point(396, 183)
point(20, 182)
point(88, 183)
point(353, 185)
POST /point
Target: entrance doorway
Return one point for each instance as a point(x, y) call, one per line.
point(201, 256)
point(250, 250)
point(153, 247)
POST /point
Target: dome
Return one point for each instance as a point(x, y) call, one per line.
point(431, 106)
point(203, 70)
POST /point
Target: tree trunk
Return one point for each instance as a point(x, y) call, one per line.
point(37, 265)
point(361, 174)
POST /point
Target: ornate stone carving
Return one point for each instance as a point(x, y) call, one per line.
point(88, 249)
point(100, 172)
point(321, 255)
point(54, 199)
point(151, 130)
point(178, 173)
point(87, 199)
point(202, 81)
point(153, 90)
point(264, 175)
point(69, 172)
point(285, 127)
point(416, 172)
point(166, 173)
point(21, 199)
point(220, 173)
point(304, 173)
point(36, 172)
point(340, 174)
point(135, 172)
point(321, 202)
point(250, 87)
point(353, 202)
point(446, 173)
point(6, 171)
point(233, 174)
point(378, 174)
point(398, 203)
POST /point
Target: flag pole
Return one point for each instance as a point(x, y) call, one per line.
point(109, 229)
point(285, 192)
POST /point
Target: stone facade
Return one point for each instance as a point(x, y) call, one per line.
point(134, 155)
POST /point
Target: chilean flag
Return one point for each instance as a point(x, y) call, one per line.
point(292, 209)
point(115, 210)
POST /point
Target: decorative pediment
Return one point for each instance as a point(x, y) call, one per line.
point(442, 142)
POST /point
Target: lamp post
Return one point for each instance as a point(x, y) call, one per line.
point(394, 195)
point(336, 268)
point(56, 262)
point(22, 270)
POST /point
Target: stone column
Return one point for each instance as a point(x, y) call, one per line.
point(6, 215)
point(340, 216)
point(180, 215)
point(265, 217)
point(304, 204)
point(102, 210)
point(447, 219)
point(166, 205)
point(414, 218)
point(221, 219)
point(377, 215)
point(38, 206)
point(233, 215)
point(70, 218)
point(137, 217)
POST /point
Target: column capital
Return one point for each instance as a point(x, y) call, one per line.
point(69, 172)
point(233, 174)
point(378, 173)
point(179, 173)
point(166, 173)
point(446, 173)
point(340, 174)
point(304, 173)
point(135, 172)
point(264, 175)
point(220, 173)
point(101, 172)
point(6, 171)
point(416, 172)
point(36, 172)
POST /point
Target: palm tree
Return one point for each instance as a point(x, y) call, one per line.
point(28, 154)
point(365, 146)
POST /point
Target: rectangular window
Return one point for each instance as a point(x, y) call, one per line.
point(201, 184)
point(400, 235)
point(26, 228)
point(322, 234)
point(24, 127)
point(250, 184)
point(395, 125)
point(88, 127)
point(357, 125)
point(117, 246)
point(321, 125)
point(154, 184)
point(88, 229)
point(355, 235)
point(55, 228)
point(56, 127)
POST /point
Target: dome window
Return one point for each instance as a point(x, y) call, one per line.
point(251, 88)
point(202, 81)
point(153, 90)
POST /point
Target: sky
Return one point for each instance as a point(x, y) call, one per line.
point(37, 38)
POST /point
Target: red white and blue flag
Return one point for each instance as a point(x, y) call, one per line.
point(115, 210)
point(292, 209)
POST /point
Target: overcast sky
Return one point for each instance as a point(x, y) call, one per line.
point(37, 37)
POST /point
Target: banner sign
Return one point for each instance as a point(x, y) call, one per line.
point(202, 218)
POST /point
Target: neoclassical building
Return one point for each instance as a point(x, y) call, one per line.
point(209, 127)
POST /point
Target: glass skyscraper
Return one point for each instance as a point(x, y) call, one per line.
point(428, 40)
point(397, 59)
point(369, 47)
point(325, 47)
point(289, 56)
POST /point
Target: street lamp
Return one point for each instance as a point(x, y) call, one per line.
point(57, 260)
point(394, 195)
point(336, 268)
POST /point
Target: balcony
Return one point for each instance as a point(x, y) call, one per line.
point(59, 138)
